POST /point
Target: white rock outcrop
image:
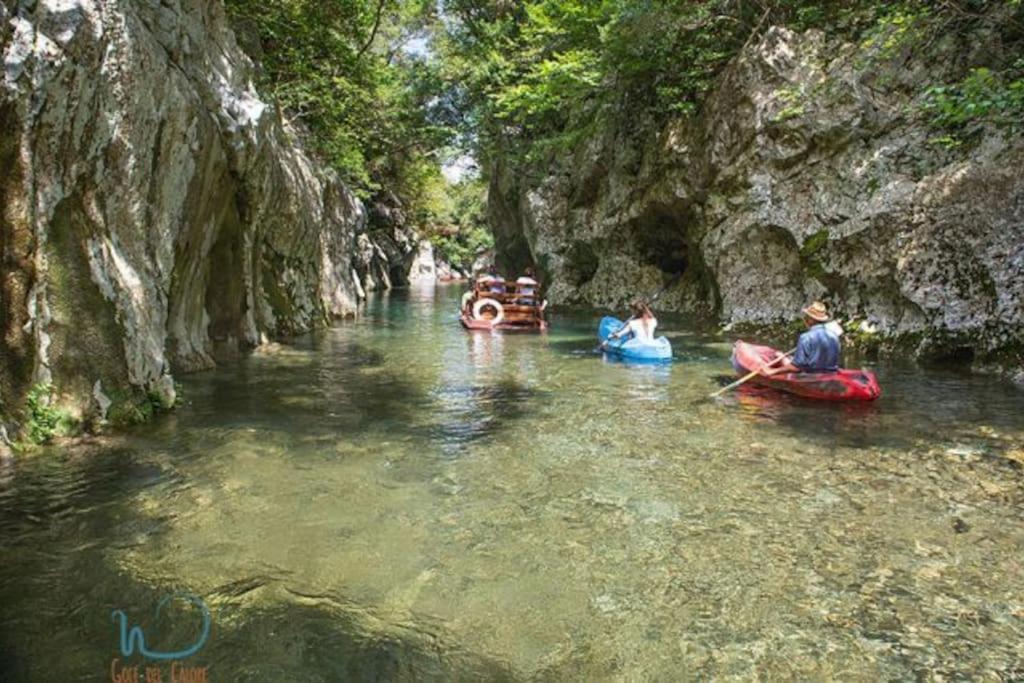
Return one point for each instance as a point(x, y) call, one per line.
point(156, 213)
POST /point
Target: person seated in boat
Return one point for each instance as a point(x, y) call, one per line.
point(641, 326)
point(467, 300)
point(819, 347)
point(492, 281)
point(526, 286)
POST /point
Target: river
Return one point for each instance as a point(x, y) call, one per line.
point(395, 499)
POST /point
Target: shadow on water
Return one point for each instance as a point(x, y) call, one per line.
point(469, 413)
point(58, 487)
point(328, 640)
point(352, 388)
point(395, 499)
point(59, 587)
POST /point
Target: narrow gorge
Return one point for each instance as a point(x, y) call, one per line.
point(444, 340)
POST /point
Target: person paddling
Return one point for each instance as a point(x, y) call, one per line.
point(818, 348)
point(641, 326)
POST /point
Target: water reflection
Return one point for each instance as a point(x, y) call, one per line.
point(485, 349)
point(465, 413)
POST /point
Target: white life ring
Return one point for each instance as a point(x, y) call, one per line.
point(478, 308)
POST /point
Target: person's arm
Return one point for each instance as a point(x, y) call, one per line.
point(626, 328)
point(791, 364)
point(780, 365)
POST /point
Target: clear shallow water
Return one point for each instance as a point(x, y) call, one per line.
point(398, 499)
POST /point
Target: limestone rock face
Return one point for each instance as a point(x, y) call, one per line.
point(156, 213)
point(810, 174)
point(424, 267)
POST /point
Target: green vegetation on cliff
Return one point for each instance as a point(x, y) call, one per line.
point(461, 233)
point(360, 76)
point(541, 74)
point(343, 69)
point(42, 420)
point(983, 97)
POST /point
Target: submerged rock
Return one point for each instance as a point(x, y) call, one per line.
point(156, 213)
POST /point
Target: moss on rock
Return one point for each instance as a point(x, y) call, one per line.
point(43, 419)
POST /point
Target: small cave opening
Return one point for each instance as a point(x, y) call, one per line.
point(581, 263)
point(957, 355)
point(398, 273)
point(660, 235)
point(225, 299)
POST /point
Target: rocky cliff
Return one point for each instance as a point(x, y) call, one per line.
point(156, 213)
point(809, 174)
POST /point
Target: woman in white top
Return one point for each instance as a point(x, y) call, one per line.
point(641, 326)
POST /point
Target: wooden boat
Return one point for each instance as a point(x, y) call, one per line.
point(503, 306)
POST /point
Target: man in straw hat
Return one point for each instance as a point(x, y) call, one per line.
point(818, 348)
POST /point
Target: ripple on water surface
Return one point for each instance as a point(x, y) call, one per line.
point(396, 498)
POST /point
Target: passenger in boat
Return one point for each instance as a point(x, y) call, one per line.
point(819, 347)
point(492, 280)
point(641, 326)
point(527, 288)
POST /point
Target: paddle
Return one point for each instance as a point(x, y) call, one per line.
point(651, 300)
point(749, 376)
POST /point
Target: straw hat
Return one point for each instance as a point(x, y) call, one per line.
point(817, 311)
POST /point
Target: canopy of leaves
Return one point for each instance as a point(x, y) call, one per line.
point(540, 74)
point(344, 70)
point(461, 234)
point(387, 88)
point(983, 97)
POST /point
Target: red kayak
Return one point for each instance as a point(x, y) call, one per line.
point(841, 385)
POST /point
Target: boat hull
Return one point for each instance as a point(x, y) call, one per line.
point(841, 385)
point(657, 351)
point(471, 323)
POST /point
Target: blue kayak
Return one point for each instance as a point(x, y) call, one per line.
point(659, 350)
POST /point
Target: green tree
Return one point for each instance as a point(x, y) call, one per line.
point(459, 230)
point(538, 75)
point(342, 69)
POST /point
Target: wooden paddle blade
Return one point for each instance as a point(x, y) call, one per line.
point(735, 384)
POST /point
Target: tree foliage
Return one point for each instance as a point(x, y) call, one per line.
point(982, 97)
point(344, 70)
point(460, 232)
point(389, 88)
point(541, 73)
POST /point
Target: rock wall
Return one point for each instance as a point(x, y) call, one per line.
point(809, 175)
point(424, 266)
point(156, 213)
